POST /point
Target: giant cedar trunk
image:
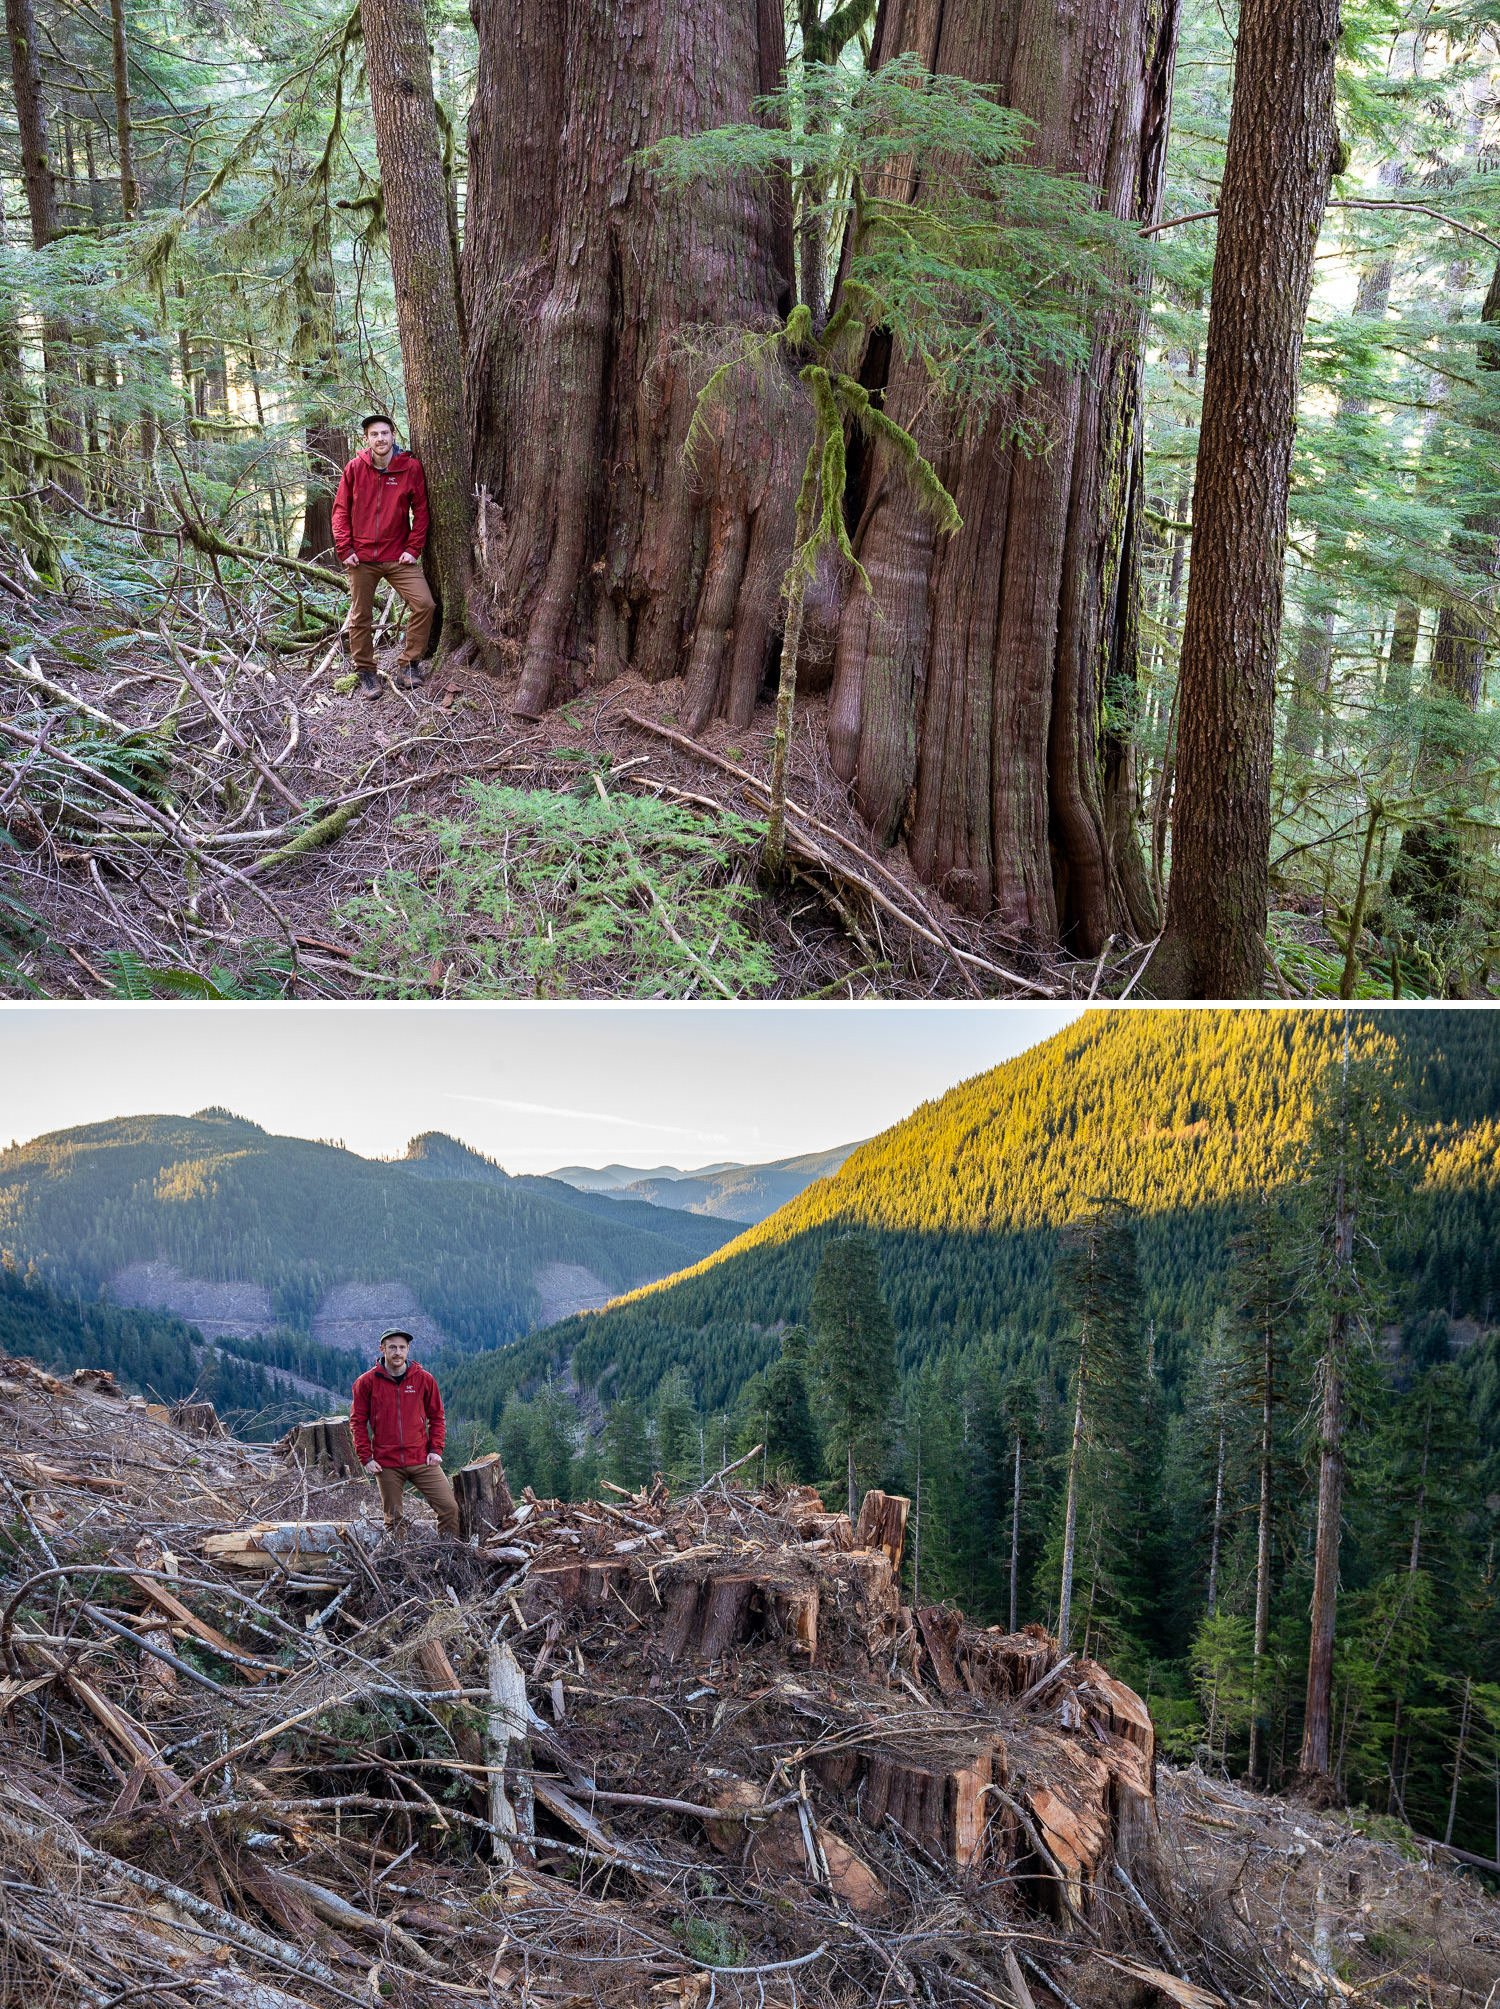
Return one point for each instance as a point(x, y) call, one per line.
point(970, 684)
point(581, 276)
point(1280, 159)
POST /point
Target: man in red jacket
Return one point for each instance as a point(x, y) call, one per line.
point(379, 528)
point(398, 1433)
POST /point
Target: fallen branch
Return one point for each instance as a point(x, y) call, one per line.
point(814, 854)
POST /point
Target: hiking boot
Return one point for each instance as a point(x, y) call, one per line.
point(411, 676)
point(369, 685)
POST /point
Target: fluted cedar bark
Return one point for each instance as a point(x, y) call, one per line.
point(970, 684)
point(415, 195)
point(581, 278)
point(1280, 159)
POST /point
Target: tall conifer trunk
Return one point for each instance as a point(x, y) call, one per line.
point(415, 193)
point(41, 202)
point(1281, 156)
point(968, 713)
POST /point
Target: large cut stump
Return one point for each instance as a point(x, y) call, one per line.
point(484, 1501)
point(882, 1524)
point(326, 1445)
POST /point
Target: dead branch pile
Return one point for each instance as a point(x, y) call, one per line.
point(255, 1752)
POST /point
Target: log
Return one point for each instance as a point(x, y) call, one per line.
point(882, 1524)
point(484, 1501)
point(324, 1445)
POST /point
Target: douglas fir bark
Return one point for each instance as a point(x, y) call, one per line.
point(1281, 156)
point(970, 683)
point(414, 190)
point(582, 279)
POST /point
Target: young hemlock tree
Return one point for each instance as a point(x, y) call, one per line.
point(627, 1447)
point(677, 1441)
point(986, 279)
point(793, 1447)
point(854, 1354)
point(1098, 1285)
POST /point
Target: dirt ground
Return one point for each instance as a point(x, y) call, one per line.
point(253, 746)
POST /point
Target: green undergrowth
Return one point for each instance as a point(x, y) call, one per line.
point(530, 893)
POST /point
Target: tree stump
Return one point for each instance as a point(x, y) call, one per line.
point(484, 1501)
point(327, 1444)
point(882, 1524)
point(197, 1419)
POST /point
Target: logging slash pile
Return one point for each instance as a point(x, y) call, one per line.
point(254, 1751)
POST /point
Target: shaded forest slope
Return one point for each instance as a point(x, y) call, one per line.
point(218, 1199)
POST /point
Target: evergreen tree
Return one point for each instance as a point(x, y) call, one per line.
point(627, 1445)
point(1099, 1288)
point(1346, 1171)
point(854, 1350)
point(793, 1449)
point(678, 1444)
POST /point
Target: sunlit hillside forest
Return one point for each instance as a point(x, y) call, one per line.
point(1212, 1159)
point(993, 659)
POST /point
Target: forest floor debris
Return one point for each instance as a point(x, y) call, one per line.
point(682, 1752)
point(189, 806)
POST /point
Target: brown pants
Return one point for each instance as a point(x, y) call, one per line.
point(431, 1481)
point(411, 584)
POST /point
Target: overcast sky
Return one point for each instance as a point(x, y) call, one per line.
point(534, 1086)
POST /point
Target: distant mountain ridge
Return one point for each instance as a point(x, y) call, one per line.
point(261, 1232)
point(733, 1192)
point(1185, 1116)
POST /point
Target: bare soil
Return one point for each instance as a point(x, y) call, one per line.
point(260, 743)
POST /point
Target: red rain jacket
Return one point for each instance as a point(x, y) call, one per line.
point(403, 1418)
point(379, 513)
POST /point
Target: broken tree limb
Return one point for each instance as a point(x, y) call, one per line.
point(926, 927)
point(506, 1727)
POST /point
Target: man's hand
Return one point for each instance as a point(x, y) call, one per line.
point(434, 1457)
point(351, 561)
point(372, 1468)
point(408, 558)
